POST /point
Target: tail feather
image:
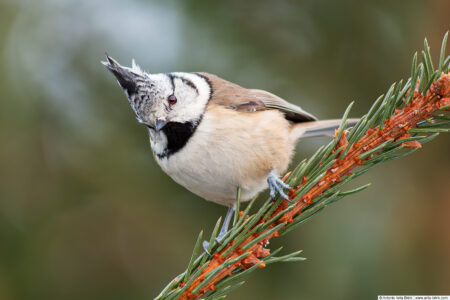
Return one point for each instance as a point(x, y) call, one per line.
point(318, 128)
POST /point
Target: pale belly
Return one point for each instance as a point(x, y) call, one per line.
point(237, 152)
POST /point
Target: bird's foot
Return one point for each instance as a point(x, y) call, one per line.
point(205, 245)
point(277, 185)
point(219, 239)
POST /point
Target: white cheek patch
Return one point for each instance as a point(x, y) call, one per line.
point(186, 109)
point(192, 99)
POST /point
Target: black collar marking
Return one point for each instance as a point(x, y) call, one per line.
point(177, 134)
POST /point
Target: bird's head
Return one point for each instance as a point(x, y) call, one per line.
point(162, 99)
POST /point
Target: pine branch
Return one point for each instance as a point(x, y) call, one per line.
point(397, 124)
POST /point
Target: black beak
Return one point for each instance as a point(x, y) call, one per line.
point(125, 77)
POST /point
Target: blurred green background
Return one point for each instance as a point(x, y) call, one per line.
point(85, 212)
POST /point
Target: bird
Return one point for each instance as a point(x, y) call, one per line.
point(213, 136)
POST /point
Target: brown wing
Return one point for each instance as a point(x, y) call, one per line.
point(238, 98)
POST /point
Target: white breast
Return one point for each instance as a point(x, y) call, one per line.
point(231, 149)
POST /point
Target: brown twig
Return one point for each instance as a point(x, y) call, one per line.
point(396, 128)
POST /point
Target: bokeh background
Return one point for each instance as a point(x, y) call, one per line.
point(85, 212)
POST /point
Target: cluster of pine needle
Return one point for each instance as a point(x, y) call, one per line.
point(410, 114)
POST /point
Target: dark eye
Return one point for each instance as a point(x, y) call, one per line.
point(172, 99)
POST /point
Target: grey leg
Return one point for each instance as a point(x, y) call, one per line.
point(223, 231)
point(277, 185)
point(226, 224)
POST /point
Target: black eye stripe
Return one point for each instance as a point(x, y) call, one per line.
point(171, 78)
point(184, 80)
point(189, 83)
